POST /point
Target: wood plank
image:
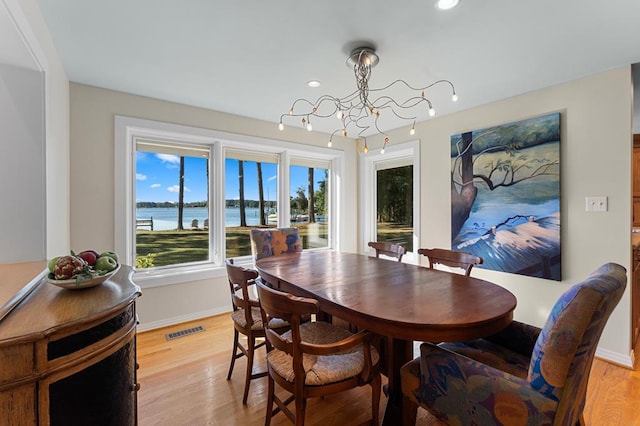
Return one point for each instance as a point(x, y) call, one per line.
point(184, 382)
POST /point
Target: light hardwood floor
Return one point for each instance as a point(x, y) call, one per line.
point(183, 382)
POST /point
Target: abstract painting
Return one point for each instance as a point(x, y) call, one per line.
point(505, 196)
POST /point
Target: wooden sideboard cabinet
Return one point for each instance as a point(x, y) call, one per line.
point(68, 357)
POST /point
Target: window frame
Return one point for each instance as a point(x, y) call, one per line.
point(407, 153)
point(128, 130)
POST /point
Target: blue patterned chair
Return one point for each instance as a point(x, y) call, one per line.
point(522, 375)
point(274, 241)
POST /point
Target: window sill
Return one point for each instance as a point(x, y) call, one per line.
point(172, 276)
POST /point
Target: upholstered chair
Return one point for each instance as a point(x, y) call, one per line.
point(522, 375)
point(247, 320)
point(388, 249)
point(267, 242)
point(313, 358)
point(451, 258)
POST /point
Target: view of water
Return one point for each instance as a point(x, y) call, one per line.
point(166, 218)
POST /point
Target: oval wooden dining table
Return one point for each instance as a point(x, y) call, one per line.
point(403, 302)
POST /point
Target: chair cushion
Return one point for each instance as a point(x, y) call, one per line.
point(492, 354)
point(324, 369)
point(273, 242)
point(239, 318)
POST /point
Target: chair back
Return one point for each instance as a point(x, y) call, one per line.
point(240, 279)
point(276, 305)
point(563, 354)
point(274, 241)
point(451, 258)
point(388, 249)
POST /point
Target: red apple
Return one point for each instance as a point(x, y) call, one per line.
point(67, 266)
point(89, 256)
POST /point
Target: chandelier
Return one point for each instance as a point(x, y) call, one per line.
point(359, 112)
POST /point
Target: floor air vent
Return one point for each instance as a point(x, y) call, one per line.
point(182, 333)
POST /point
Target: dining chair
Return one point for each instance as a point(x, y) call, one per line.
point(388, 249)
point(267, 242)
point(247, 320)
point(451, 258)
point(523, 374)
point(313, 358)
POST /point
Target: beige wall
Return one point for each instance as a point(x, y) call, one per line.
point(595, 154)
point(92, 187)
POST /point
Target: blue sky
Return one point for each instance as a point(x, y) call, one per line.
point(157, 178)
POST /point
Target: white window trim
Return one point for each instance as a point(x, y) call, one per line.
point(128, 130)
point(369, 164)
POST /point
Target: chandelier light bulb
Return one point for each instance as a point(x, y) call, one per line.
point(412, 131)
point(329, 144)
point(280, 126)
point(382, 151)
point(309, 127)
point(454, 98)
point(339, 115)
point(432, 112)
point(366, 149)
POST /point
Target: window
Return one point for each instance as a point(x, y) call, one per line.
point(394, 205)
point(172, 204)
point(309, 202)
point(227, 183)
point(251, 184)
point(391, 197)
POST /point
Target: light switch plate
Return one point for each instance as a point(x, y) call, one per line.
point(597, 204)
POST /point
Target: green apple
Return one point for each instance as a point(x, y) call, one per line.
point(52, 264)
point(110, 254)
point(106, 263)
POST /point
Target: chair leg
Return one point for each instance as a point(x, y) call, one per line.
point(251, 343)
point(376, 383)
point(409, 412)
point(270, 394)
point(301, 406)
point(233, 353)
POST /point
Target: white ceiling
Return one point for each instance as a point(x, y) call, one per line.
point(254, 57)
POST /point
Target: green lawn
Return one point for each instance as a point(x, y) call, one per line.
point(175, 247)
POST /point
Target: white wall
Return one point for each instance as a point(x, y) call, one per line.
point(35, 41)
point(92, 185)
point(596, 146)
point(22, 166)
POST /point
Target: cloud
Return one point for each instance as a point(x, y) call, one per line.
point(168, 158)
point(140, 176)
point(176, 188)
point(155, 185)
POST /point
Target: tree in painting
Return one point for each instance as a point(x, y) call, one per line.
point(505, 196)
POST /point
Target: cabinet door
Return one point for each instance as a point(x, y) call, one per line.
point(102, 394)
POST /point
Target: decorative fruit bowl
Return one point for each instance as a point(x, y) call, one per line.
point(81, 281)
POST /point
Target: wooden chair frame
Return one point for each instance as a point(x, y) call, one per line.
point(295, 310)
point(388, 249)
point(240, 280)
point(451, 258)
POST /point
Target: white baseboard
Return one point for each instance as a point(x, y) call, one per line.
point(626, 361)
point(146, 326)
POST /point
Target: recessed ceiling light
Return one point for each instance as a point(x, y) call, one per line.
point(447, 4)
point(313, 83)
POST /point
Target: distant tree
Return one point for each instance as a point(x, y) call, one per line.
point(181, 195)
point(320, 196)
point(243, 216)
point(311, 204)
point(261, 195)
